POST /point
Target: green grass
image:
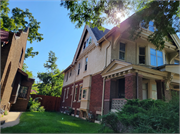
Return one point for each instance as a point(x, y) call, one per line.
point(51, 122)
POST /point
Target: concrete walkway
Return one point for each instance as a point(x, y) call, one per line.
point(11, 119)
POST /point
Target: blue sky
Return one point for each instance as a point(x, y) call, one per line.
point(59, 33)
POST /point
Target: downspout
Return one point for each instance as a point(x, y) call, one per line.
point(137, 86)
point(102, 106)
point(73, 86)
point(103, 96)
point(106, 51)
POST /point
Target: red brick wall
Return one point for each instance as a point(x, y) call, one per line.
point(96, 93)
point(130, 86)
point(67, 102)
point(107, 89)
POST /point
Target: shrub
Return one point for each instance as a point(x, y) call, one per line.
point(41, 109)
point(5, 112)
point(146, 116)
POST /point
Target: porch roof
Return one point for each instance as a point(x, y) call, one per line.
point(118, 68)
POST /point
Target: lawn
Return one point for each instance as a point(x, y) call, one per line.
point(51, 122)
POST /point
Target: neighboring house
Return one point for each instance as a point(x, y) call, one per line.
point(109, 67)
point(15, 84)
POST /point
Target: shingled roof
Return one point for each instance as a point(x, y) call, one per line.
point(99, 34)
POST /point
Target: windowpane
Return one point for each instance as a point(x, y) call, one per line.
point(141, 59)
point(151, 23)
point(23, 92)
point(159, 53)
point(153, 51)
point(90, 40)
point(160, 61)
point(121, 55)
point(80, 91)
point(153, 60)
point(142, 50)
point(122, 46)
point(176, 62)
point(84, 94)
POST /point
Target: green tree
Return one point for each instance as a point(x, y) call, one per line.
point(24, 68)
point(51, 81)
point(98, 12)
point(20, 20)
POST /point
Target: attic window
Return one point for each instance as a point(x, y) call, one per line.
point(149, 26)
point(87, 42)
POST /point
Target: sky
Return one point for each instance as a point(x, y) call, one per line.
point(59, 33)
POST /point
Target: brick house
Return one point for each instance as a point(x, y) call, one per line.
point(15, 84)
point(109, 67)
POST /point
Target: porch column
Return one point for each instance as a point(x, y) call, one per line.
point(107, 96)
point(133, 86)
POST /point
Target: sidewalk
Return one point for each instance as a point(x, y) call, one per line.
point(11, 119)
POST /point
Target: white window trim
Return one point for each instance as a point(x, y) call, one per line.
point(64, 95)
point(85, 64)
point(80, 86)
point(85, 94)
point(163, 56)
point(122, 51)
point(75, 93)
point(67, 93)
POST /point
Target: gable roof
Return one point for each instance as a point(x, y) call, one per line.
point(98, 33)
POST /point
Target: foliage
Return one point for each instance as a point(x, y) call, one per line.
point(51, 122)
point(5, 112)
point(165, 15)
point(34, 105)
point(150, 116)
point(51, 81)
point(35, 88)
point(20, 20)
point(24, 68)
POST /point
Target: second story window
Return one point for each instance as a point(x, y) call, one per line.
point(156, 57)
point(141, 55)
point(67, 76)
point(176, 62)
point(79, 68)
point(86, 62)
point(75, 93)
point(70, 73)
point(122, 51)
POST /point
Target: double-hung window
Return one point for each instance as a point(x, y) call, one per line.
point(156, 57)
point(80, 91)
point(64, 95)
point(79, 68)
point(84, 93)
point(86, 62)
point(122, 51)
point(23, 92)
point(75, 93)
point(141, 55)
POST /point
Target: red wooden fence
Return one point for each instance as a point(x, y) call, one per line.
point(50, 103)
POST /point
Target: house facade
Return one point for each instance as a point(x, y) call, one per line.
point(15, 84)
point(109, 67)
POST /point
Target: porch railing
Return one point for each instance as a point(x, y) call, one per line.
point(118, 103)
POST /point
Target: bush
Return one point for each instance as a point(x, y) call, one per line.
point(35, 106)
point(41, 109)
point(146, 116)
point(5, 112)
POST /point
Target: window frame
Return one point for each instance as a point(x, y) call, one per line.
point(79, 66)
point(67, 93)
point(86, 63)
point(142, 55)
point(80, 93)
point(64, 95)
point(84, 98)
point(75, 93)
point(121, 51)
point(156, 55)
point(22, 88)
